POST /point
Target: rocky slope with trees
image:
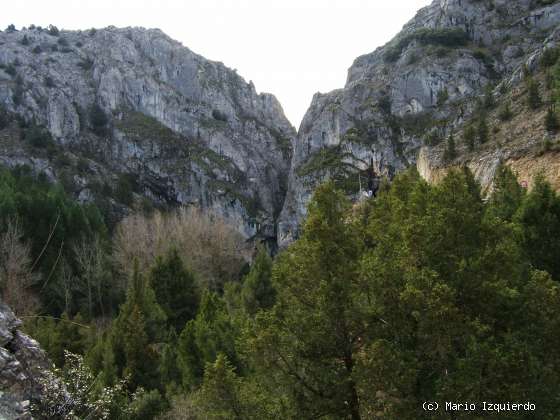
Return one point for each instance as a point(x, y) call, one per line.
point(403, 102)
point(129, 115)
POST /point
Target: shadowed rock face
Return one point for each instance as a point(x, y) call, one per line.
point(22, 365)
point(422, 84)
point(186, 130)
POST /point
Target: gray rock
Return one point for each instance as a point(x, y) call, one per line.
point(187, 129)
point(426, 90)
point(23, 365)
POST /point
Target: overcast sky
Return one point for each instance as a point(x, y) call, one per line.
point(291, 48)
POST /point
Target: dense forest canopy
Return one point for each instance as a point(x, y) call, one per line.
point(427, 292)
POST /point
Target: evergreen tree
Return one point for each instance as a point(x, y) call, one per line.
point(469, 136)
point(507, 195)
point(533, 95)
point(482, 130)
point(539, 218)
point(551, 120)
point(139, 326)
point(175, 289)
point(450, 151)
point(257, 292)
point(308, 342)
point(203, 338)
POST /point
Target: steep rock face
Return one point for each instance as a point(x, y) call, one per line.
point(22, 365)
point(414, 91)
point(132, 103)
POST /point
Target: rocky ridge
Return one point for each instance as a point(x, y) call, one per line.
point(133, 109)
point(400, 101)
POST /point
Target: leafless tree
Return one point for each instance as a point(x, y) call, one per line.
point(209, 243)
point(16, 276)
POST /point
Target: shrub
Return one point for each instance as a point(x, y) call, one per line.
point(62, 42)
point(533, 95)
point(482, 130)
point(49, 82)
point(549, 57)
point(505, 113)
point(447, 37)
point(469, 136)
point(442, 96)
point(11, 70)
point(11, 28)
point(86, 63)
point(218, 115)
point(53, 30)
point(125, 189)
point(98, 120)
point(37, 50)
point(551, 121)
point(38, 137)
point(24, 40)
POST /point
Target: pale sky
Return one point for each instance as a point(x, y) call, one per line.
point(291, 48)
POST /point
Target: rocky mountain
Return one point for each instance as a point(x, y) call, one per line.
point(404, 99)
point(129, 116)
point(24, 367)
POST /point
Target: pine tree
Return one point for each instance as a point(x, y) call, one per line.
point(539, 218)
point(507, 195)
point(175, 289)
point(450, 151)
point(533, 95)
point(482, 130)
point(309, 341)
point(469, 136)
point(551, 121)
point(203, 338)
point(139, 325)
point(257, 292)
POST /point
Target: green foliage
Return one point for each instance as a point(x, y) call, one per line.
point(549, 57)
point(533, 95)
point(507, 195)
point(444, 37)
point(442, 97)
point(57, 336)
point(219, 115)
point(469, 136)
point(98, 120)
point(505, 113)
point(482, 131)
point(203, 338)
point(53, 224)
point(38, 136)
point(551, 120)
point(53, 30)
point(539, 218)
point(125, 189)
point(175, 289)
point(321, 345)
point(257, 292)
point(450, 150)
point(131, 350)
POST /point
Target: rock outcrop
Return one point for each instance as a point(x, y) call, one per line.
point(410, 94)
point(131, 108)
point(23, 365)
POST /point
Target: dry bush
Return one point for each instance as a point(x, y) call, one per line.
point(210, 246)
point(16, 277)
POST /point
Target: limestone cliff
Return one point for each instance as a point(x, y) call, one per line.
point(403, 99)
point(23, 368)
point(132, 106)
